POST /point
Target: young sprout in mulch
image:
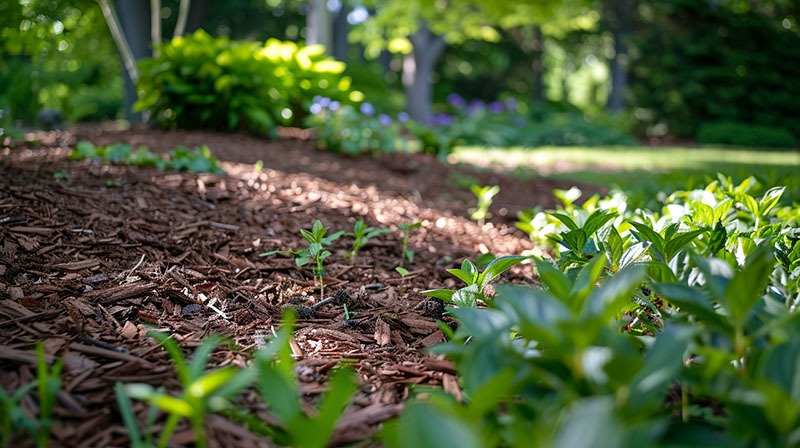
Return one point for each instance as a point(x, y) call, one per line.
point(407, 253)
point(361, 235)
point(203, 391)
point(485, 195)
point(314, 254)
point(476, 281)
point(12, 414)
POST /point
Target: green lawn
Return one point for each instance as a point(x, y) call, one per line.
point(642, 169)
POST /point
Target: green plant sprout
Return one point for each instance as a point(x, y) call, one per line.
point(315, 252)
point(12, 414)
point(361, 234)
point(129, 419)
point(476, 281)
point(203, 391)
point(485, 195)
point(407, 228)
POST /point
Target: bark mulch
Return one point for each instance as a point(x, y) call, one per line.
point(93, 255)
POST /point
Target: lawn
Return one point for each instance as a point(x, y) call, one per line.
point(642, 170)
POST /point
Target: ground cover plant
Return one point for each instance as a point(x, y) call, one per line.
point(663, 326)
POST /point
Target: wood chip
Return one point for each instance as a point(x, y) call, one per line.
point(383, 332)
point(78, 265)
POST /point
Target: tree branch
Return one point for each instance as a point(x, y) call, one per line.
point(155, 25)
point(119, 38)
point(183, 17)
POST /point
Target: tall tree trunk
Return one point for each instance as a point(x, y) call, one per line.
point(319, 28)
point(618, 14)
point(417, 69)
point(134, 18)
point(340, 30)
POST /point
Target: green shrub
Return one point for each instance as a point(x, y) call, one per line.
point(744, 134)
point(200, 81)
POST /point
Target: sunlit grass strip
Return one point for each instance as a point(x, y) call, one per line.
point(638, 157)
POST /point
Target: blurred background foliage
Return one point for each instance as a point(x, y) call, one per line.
point(690, 63)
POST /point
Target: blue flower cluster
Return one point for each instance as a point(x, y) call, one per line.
point(462, 108)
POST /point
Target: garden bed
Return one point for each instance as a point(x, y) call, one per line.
point(92, 254)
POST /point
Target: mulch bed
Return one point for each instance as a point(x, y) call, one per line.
point(92, 255)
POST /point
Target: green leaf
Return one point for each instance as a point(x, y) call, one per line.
point(575, 240)
point(422, 425)
point(497, 267)
point(663, 361)
point(746, 288)
point(597, 219)
point(444, 294)
point(696, 303)
point(208, 384)
point(468, 296)
point(607, 299)
point(172, 405)
point(770, 200)
point(648, 234)
point(556, 282)
point(613, 245)
point(634, 253)
point(680, 241)
point(586, 281)
point(566, 219)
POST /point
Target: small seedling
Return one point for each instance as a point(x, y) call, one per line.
point(407, 253)
point(60, 175)
point(402, 271)
point(476, 281)
point(203, 391)
point(485, 195)
point(315, 252)
point(258, 166)
point(12, 414)
point(361, 234)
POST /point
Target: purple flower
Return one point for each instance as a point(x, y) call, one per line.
point(474, 106)
point(441, 119)
point(315, 108)
point(384, 119)
point(367, 109)
point(322, 101)
point(496, 107)
point(511, 104)
point(456, 100)
point(333, 106)
point(403, 117)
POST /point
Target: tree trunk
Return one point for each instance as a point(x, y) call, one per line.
point(319, 25)
point(538, 65)
point(618, 14)
point(340, 29)
point(417, 69)
point(134, 18)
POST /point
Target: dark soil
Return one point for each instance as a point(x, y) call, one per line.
point(92, 255)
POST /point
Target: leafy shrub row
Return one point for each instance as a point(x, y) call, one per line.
point(744, 134)
point(679, 329)
point(203, 82)
point(197, 160)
